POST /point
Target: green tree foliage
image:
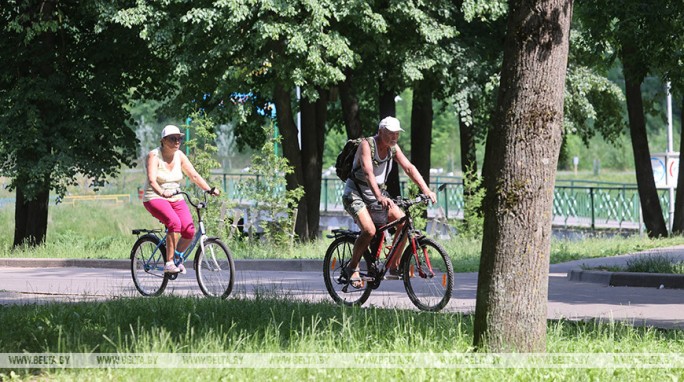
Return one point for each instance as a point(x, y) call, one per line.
point(272, 204)
point(640, 34)
point(67, 73)
point(202, 144)
point(242, 46)
point(473, 193)
point(202, 154)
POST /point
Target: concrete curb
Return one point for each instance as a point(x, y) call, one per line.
point(629, 279)
point(590, 276)
point(301, 265)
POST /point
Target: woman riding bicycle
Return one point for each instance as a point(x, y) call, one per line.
point(366, 185)
point(165, 167)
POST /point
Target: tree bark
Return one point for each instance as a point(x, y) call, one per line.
point(313, 136)
point(389, 109)
point(520, 169)
point(292, 153)
point(31, 217)
point(678, 219)
point(31, 211)
point(350, 108)
point(648, 194)
point(421, 128)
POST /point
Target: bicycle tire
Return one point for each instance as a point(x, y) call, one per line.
point(215, 269)
point(337, 257)
point(147, 266)
point(428, 292)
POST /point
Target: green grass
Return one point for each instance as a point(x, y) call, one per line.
point(655, 264)
point(647, 264)
point(626, 177)
point(264, 325)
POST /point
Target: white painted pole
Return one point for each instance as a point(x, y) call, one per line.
point(299, 119)
point(668, 155)
point(670, 145)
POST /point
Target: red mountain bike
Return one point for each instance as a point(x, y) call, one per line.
point(425, 266)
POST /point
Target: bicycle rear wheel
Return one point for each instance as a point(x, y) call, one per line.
point(147, 266)
point(428, 275)
point(335, 275)
point(215, 269)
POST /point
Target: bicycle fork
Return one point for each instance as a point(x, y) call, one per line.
point(421, 272)
point(202, 239)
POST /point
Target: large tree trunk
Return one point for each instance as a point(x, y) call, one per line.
point(313, 135)
point(389, 109)
point(31, 211)
point(678, 220)
point(31, 217)
point(648, 194)
point(421, 128)
point(350, 107)
point(520, 170)
point(292, 153)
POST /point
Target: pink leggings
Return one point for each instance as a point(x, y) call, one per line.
point(174, 215)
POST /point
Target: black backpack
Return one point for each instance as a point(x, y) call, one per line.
point(345, 159)
point(344, 165)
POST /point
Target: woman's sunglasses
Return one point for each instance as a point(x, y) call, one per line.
point(175, 139)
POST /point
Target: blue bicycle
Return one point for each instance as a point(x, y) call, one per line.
point(213, 265)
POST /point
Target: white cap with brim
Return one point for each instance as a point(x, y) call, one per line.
point(391, 124)
point(171, 130)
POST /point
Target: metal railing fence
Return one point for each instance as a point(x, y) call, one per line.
point(607, 204)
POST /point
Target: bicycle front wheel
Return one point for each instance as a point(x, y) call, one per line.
point(428, 275)
point(147, 266)
point(215, 269)
point(335, 274)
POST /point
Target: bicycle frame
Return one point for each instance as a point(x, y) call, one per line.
point(200, 235)
point(398, 238)
point(407, 232)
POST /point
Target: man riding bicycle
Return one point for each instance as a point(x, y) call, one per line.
point(365, 188)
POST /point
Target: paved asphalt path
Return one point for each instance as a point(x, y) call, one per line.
point(567, 299)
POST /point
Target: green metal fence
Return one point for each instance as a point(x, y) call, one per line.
point(575, 203)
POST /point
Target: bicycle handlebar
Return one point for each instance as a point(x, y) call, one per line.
point(198, 205)
point(405, 203)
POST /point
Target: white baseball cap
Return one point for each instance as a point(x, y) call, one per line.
point(391, 124)
point(171, 130)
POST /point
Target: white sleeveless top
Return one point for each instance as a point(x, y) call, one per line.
point(167, 179)
point(381, 168)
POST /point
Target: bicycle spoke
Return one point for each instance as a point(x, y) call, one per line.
point(215, 269)
point(147, 266)
point(428, 275)
point(336, 277)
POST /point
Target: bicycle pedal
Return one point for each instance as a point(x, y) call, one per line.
point(391, 277)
